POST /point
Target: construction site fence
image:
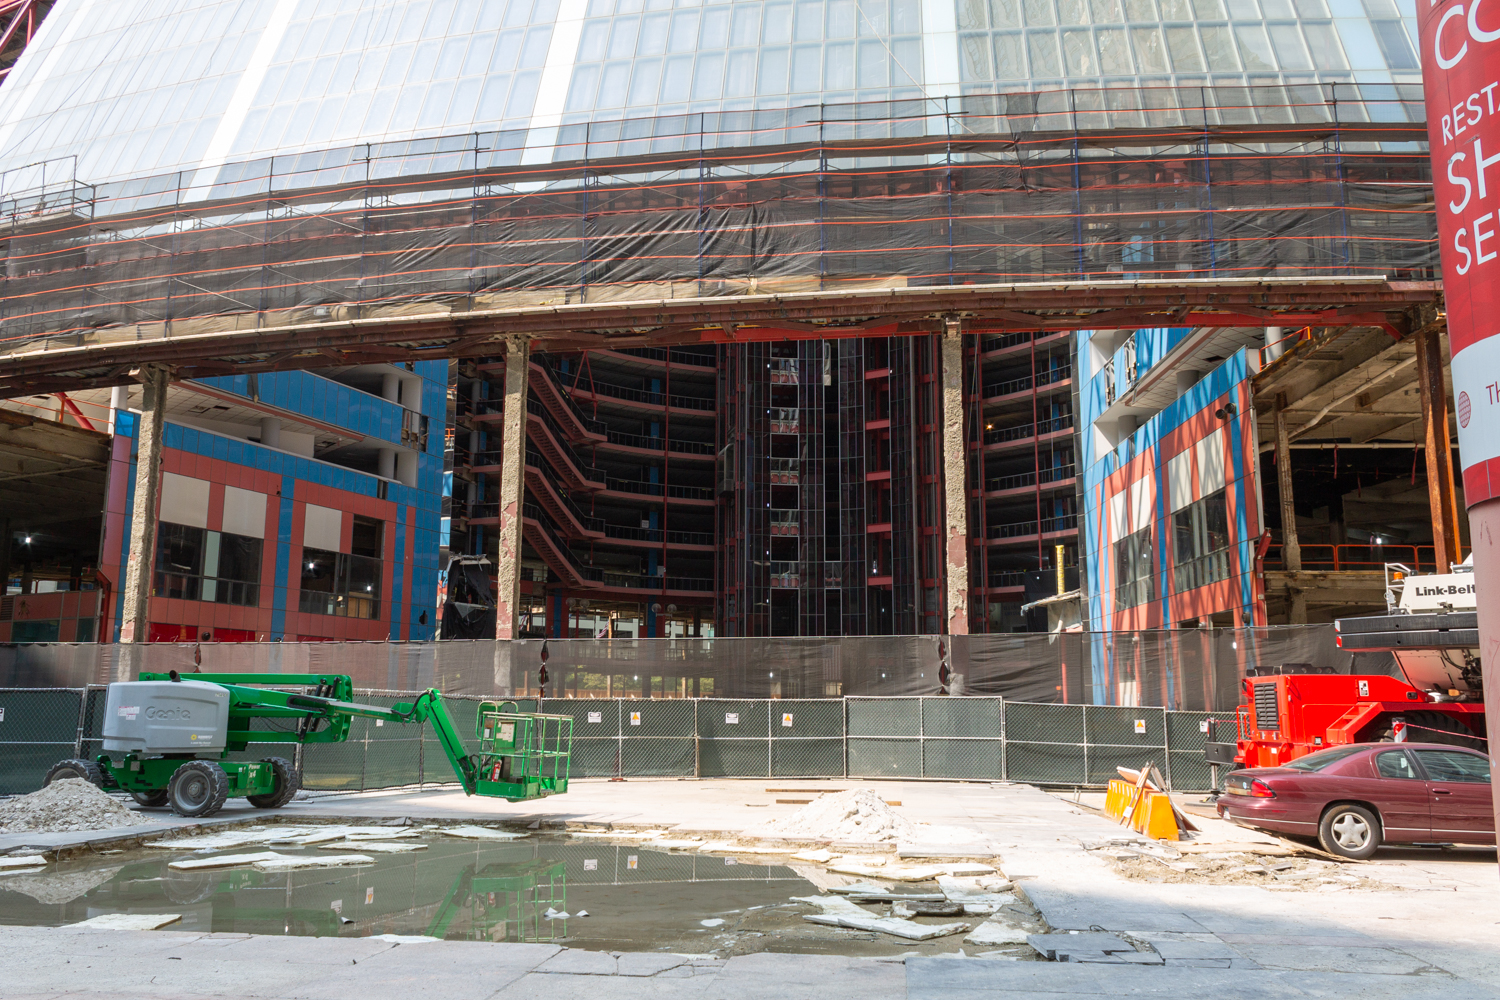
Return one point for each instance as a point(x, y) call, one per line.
point(1182, 669)
point(942, 738)
point(1116, 184)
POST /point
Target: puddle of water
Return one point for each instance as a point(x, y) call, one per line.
point(636, 898)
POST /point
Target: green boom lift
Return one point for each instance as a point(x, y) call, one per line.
point(168, 737)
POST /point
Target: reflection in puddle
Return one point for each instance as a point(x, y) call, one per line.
point(636, 898)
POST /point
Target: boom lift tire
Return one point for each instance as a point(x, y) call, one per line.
point(151, 800)
point(85, 769)
point(287, 783)
point(1350, 831)
point(197, 788)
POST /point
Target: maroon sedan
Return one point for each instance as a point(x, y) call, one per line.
point(1354, 798)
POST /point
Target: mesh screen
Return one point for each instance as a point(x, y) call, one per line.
point(997, 191)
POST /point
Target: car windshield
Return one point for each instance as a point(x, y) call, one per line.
point(1323, 758)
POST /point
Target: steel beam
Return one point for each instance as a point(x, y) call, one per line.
point(1040, 306)
point(1442, 497)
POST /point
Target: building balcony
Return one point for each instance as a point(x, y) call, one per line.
point(660, 445)
point(1023, 531)
point(1054, 377)
point(636, 487)
point(1026, 482)
point(1005, 438)
point(658, 401)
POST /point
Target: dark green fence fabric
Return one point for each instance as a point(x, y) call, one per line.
point(944, 738)
point(38, 728)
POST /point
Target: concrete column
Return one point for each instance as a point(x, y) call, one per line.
point(390, 387)
point(119, 399)
point(955, 487)
point(386, 464)
point(1442, 497)
point(270, 432)
point(1291, 549)
point(1186, 380)
point(511, 488)
point(1274, 347)
point(406, 468)
point(142, 552)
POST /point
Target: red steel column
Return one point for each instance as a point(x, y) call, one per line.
point(1460, 73)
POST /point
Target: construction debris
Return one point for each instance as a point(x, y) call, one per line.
point(288, 864)
point(996, 932)
point(479, 833)
point(128, 921)
point(373, 846)
point(68, 805)
point(840, 912)
point(224, 861)
point(1093, 946)
point(857, 815)
point(22, 861)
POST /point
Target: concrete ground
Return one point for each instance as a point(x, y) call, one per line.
point(1432, 931)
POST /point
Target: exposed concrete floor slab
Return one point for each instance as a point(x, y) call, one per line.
point(1434, 933)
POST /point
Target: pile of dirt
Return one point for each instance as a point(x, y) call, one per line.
point(67, 805)
point(858, 814)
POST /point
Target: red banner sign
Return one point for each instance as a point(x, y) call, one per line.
point(1461, 82)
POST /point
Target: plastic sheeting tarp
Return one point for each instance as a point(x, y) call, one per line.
point(1180, 183)
point(1179, 669)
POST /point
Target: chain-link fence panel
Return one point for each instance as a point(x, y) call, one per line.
point(807, 739)
point(1122, 737)
point(962, 738)
point(658, 738)
point(596, 735)
point(1187, 736)
point(885, 737)
point(38, 728)
point(734, 738)
point(1044, 744)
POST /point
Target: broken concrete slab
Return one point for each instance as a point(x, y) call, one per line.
point(224, 861)
point(893, 873)
point(1064, 947)
point(480, 833)
point(996, 932)
point(129, 921)
point(286, 863)
point(918, 849)
point(373, 846)
point(926, 908)
point(818, 856)
point(905, 929)
point(23, 861)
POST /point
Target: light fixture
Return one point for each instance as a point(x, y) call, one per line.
point(28, 539)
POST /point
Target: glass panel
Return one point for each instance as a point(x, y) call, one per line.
point(975, 53)
point(1219, 49)
point(1327, 53)
point(1255, 47)
point(1394, 764)
point(1072, 12)
point(1045, 61)
point(622, 39)
point(745, 29)
point(645, 82)
point(715, 29)
point(778, 30)
point(1005, 13)
point(1039, 14)
point(1107, 11)
point(678, 80)
point(1114, 53)
point(1450, 765)
point(1079, 46)
point(1150, 52)
point(971, 15)
point(739, 80)
point(708, 77)
point(773, 66)
point(1396, 45)
point(838, 72)
point(1290, 51)
point(806, 69)
point(1010, 61)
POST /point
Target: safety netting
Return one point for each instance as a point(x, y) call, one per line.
point(1182, 669)
point(1321, 179)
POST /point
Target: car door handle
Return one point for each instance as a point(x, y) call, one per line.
point(1441, 791)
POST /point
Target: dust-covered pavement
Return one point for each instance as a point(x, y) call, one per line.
point(1415, 924)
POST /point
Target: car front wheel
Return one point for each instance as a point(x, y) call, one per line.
point(1349, 831)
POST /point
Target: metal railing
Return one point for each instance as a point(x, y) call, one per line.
point(1023, 431)
point(1041, 378)
point(1358, 557)
point(649, 443)
point(1024, 529)
point(645, 396)
point(1042, 477)
point(659, 489)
